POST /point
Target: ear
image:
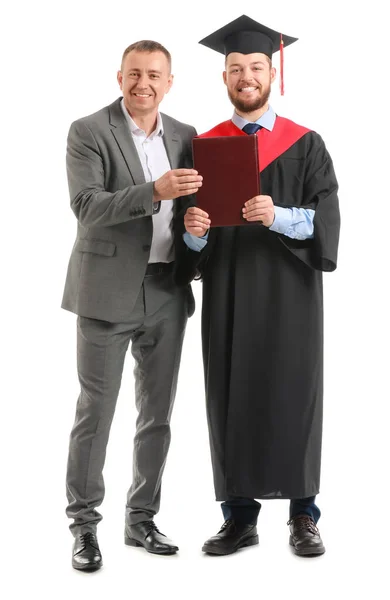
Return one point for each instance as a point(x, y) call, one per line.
point(224, 77)
point(119, 77)
point(170, 83)
point(273, 74)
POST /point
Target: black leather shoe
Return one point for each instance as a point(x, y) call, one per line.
point(86, 552)
point(305, 537)
point(147, 535)
point(231, 537)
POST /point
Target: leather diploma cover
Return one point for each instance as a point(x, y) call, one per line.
point(229, 166)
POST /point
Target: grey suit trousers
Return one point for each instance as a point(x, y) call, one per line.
point(156, 331)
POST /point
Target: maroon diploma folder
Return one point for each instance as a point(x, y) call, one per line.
point(229, 166)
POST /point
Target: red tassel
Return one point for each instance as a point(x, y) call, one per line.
point(281, 66)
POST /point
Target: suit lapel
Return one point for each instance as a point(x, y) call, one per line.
point(172, 142)
point(122, 135)
point(173, 146)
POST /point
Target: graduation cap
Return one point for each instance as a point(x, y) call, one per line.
point(247, 36)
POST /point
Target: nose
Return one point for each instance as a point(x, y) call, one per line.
point(142, 81)
point(246, 74)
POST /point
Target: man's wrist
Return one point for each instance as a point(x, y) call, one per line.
point(156, 195)
point(273, 221)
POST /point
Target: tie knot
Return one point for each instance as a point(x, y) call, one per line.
point(251, 128)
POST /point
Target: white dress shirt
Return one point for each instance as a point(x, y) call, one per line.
point(155, 163)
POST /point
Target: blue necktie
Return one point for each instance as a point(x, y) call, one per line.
point(251, 128)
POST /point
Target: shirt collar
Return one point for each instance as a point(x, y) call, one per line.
point(137, 130)
point(267, 120)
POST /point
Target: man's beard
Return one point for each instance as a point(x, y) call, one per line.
point(247, 106)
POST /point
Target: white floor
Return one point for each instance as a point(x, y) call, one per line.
point(354, 566)
point(36, 543)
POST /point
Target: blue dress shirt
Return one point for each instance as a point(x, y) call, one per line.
point(296, 223)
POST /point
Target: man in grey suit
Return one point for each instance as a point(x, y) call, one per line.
point(130, 178)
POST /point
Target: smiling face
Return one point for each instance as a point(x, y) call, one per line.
point(248, 79)
point(145, 78)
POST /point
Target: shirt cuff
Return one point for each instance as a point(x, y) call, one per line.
point(195, 243)
point(296, 223)
point(282, 220)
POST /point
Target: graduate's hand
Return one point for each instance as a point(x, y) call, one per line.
point(259, 208)
point(196, 221)
point(176, 183)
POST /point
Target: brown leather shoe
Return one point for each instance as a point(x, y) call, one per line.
point(231, 537)
point(305, 537)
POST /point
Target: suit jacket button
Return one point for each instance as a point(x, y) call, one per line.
point(146, 247)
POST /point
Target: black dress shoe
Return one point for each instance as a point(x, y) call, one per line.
point(231, 537)
point(147, 535)
point(305, 537)
point(86, 552)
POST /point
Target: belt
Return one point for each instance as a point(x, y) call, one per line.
point(158, 268)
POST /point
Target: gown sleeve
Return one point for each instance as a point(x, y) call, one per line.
point(320, 194)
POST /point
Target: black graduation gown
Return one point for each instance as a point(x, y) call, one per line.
point(262, 328)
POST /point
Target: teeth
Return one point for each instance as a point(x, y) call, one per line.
point(247, 89)
point(143, 95)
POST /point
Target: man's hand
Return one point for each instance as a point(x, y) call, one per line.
point(196, 221)
point(259, 208)
point(175, 183)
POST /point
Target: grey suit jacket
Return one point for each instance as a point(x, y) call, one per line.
point(113, 205)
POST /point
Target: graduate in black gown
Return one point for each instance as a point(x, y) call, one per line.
point(262, 314)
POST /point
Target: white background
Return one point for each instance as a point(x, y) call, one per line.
point(59, 63)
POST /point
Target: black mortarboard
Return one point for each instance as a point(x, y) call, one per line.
point(246, 36)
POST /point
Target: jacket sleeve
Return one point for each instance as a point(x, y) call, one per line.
point(89, 200)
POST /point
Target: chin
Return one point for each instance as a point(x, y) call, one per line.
point(248, 108)
point(251, 106)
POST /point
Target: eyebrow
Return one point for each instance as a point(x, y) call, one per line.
point(150, 71)
point(257, 62)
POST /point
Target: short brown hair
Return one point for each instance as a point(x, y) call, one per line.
point(147, 46)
